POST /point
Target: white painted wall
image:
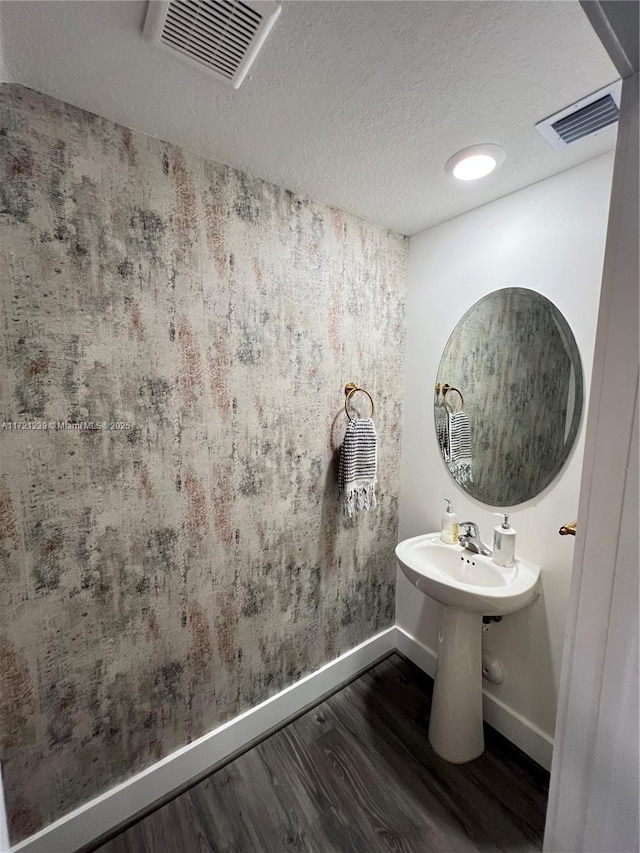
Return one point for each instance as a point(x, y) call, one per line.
point(549, 237)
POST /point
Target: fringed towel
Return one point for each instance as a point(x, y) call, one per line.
point(459, 458)
point(357, 469)
point(442, 431)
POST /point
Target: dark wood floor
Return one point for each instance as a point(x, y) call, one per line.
point(356, 774)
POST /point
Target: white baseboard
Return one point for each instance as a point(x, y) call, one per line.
point(516, 728)
point(138, 794)
point(123, 802)
point(4, 829)
point(423, 657)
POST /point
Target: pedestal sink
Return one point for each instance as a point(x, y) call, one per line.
point(470, 586)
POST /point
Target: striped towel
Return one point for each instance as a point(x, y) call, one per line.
point(442, 430)
point(459, 459)
point(357, 469)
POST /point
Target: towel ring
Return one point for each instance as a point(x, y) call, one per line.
point(445, 391)
point(349, 390)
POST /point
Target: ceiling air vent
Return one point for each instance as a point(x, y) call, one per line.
point(582, 119)
point(221, 37)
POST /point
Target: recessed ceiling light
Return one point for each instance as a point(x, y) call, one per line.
point(475, 162)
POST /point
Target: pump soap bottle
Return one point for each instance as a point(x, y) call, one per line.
point(449, 525)
point(504, 543)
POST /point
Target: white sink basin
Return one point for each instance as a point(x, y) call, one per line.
point(470, 586)
point(454, 576)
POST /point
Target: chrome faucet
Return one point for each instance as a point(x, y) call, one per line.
point(470, 539)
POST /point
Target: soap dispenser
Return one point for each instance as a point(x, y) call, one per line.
point(449, 525)
point(504, 543)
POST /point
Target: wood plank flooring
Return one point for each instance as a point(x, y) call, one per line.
point(356, 774)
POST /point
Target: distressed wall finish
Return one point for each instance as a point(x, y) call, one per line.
point(158, 579)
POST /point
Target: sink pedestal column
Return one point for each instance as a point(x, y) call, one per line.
point(455, 726)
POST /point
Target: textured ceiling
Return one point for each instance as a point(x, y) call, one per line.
point(354, 104)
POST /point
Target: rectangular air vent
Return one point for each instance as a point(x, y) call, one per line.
point(582, 119)
point(221, 37)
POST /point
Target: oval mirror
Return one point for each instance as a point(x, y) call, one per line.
point(509, 395)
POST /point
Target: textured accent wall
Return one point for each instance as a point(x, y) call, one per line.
point(161, 576)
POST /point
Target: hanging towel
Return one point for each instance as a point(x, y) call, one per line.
point(357, 469)
point(442, 430)
point(459, 461)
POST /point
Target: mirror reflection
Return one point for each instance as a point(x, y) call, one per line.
point(509, 396)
